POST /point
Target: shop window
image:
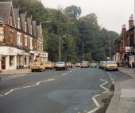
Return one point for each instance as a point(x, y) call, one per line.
point(11, 60)
point(25, 59)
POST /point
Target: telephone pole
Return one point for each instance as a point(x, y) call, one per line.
point(134, 26)
point(59, 37)
point(60, 48)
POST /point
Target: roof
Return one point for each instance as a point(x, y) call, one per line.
point(5, 8)
point(34, 28)
point(23, 21)
point(16, 14)
point(29, 24)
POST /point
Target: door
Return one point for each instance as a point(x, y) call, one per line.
point(3, 63)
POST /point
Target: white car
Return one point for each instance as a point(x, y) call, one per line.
point(78, 64)
point(93, 65)
point(60, 66)
point(85, 64)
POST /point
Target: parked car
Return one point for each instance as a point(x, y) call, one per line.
point(85, 64)
point(78, 65)
point(49, 65)
point(60, 65)
point(102, 64)
point(93, 65)
point(111, 65)
point(37, 66)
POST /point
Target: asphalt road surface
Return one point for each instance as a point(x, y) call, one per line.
point(54, 91)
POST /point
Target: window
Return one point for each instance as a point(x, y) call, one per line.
point(18, 23)
point(19, 39)
point(11, 60)
point(31, 46)
point(26, 40)
point(1, 34)
point(25, 27)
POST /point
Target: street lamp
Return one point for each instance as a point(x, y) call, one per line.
point(134, 32)
point(134, 25)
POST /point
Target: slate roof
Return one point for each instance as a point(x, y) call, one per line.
point(16, 14)
point(39, 31)
point(34, 28)
point(29, 24)
point(5, 8)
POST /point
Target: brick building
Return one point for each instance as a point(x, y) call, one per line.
point(21, 39)
point(125, 51)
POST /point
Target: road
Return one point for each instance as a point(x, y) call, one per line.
point(55, 91)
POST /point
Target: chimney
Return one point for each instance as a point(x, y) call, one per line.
point(124, 33)
point(124, 28)
point(131, 22)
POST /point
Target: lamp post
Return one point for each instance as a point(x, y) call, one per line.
point(134, 25)
point(134, 33)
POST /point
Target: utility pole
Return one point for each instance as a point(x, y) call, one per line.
point(109, 48)
point(59, 37)
point(83, 50)
point(134, 34)
point(134, 26)
point(60, 48)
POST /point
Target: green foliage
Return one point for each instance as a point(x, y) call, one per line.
point(82, 38)
point(73, 12)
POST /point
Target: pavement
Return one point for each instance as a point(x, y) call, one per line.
point(123, 100)
point(72, 91)
point(128, 71)
point(11, 74)
point(15, 72)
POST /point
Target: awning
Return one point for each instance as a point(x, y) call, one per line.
point(6, 50)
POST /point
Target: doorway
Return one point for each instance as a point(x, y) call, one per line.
point(3, 63)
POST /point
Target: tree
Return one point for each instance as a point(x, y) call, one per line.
point(82, 37)
point(72, 12)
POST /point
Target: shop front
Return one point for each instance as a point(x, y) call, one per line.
point(11, 58)
point(43, 55)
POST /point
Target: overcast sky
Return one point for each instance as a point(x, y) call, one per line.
point(112, 14)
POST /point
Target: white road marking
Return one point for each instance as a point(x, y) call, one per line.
point(102, 86)
point(111, 78)
point(94, 97)
point(29, 86)
point(96, 103)
point(14, 76)
point(26, 87)
point(10, 91)
point(66, 73)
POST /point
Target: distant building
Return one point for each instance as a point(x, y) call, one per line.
point(21, 38)
point(125, 51)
